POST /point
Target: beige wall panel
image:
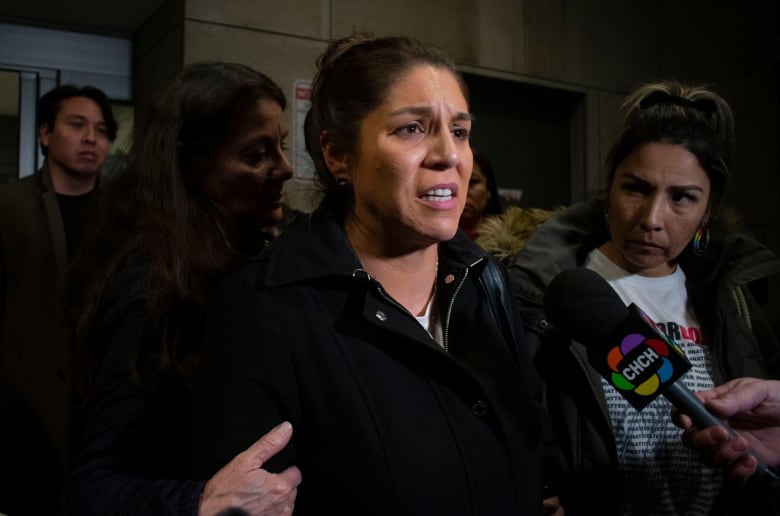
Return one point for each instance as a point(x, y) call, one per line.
point(283, 58)
point(496, 35)
point(592, 142)
point(753, 191)
point(718, 51)
point(610, 122)
point(486, 33)
point(155, 68)
point(307, 18)
point(442, 22)
point(596, 43)
point(157, 53)
point(166, 19)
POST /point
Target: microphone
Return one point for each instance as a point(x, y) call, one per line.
point(624, 345)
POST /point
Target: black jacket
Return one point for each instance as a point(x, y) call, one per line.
point(133, 456)
point(384, 420)
point(35, 360)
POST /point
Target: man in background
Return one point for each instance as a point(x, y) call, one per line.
point(43, 220)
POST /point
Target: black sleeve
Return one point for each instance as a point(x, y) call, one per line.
point(538, 337)
point(528, 344)
point(245, 384)
point(131, 457)
point(765, 335)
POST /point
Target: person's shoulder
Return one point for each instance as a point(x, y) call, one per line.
point(24, 186)
point(734, 247)
point(19, 200)
point(244, 275)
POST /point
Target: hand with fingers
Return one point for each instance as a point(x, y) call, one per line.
point(552, 506)
point(752, 408)
point(243, 487)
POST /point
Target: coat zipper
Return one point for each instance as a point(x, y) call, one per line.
point(446, 322)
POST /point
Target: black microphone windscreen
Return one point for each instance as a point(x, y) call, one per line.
point(582, 304)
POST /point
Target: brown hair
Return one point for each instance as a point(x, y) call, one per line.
point(153, 212)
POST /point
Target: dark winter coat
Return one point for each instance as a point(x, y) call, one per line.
point(384, 420)
point(133, 456)
point(35, 359)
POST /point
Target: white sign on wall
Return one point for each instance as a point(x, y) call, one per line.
point(302, 163)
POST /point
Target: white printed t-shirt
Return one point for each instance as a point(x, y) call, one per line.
point(660, 475)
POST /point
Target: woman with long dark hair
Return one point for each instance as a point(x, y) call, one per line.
point(202, 182)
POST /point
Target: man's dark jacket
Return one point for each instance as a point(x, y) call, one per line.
point(35, 368)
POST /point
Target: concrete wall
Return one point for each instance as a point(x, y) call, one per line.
point(601, 48)
point(158, 52)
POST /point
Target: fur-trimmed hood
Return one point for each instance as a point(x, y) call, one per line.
point(504, 235)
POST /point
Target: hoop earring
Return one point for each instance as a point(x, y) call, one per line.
point(342, 182)
point(700, 240)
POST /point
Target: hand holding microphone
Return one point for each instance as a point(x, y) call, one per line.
point(624, 346)
point(752, 406)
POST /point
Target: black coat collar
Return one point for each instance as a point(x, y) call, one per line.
point(316, 246)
